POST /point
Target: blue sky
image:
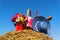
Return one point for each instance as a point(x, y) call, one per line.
point(8, 8)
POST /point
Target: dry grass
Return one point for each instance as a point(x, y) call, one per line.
point(25, 35)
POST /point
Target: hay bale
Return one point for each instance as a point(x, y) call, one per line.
point(25, 35)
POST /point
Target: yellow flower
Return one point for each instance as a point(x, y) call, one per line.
point(21, 19)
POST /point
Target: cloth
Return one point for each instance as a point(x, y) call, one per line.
point(29, 24)
point(19, 27)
